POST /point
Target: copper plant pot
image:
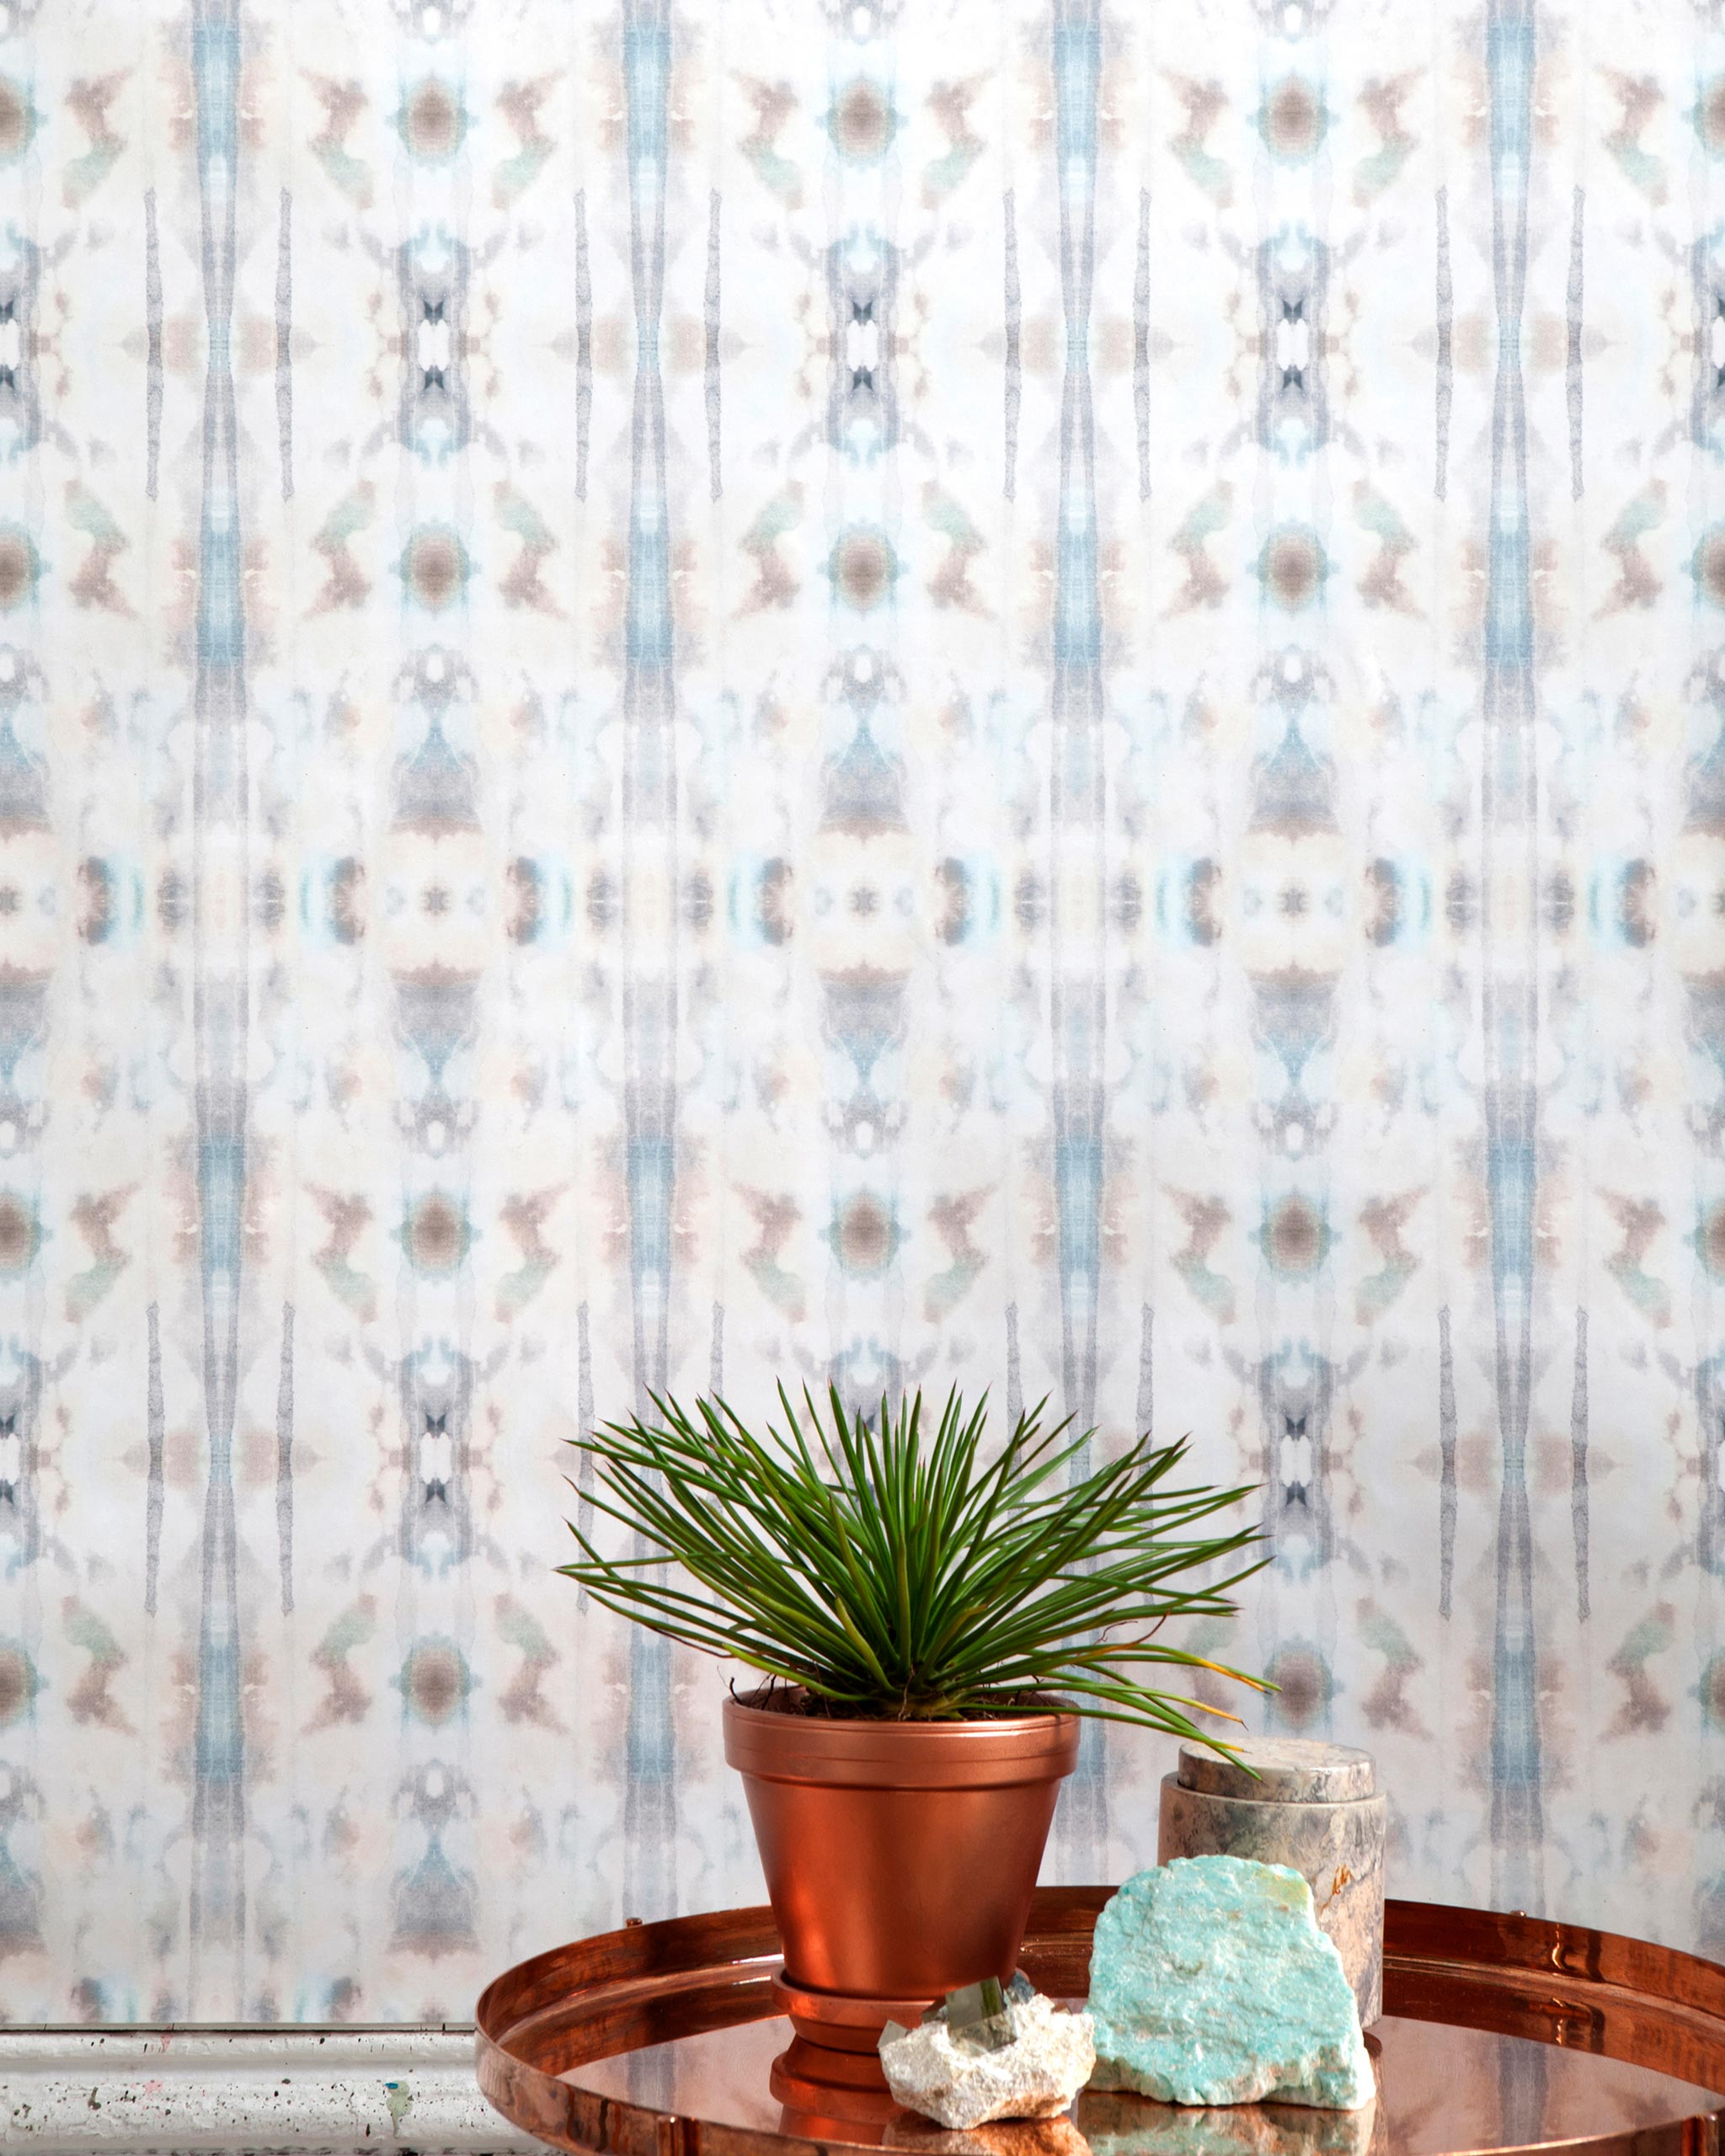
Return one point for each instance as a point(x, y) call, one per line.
point(900, 1857)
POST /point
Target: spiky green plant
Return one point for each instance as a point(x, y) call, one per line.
point(919, 1581)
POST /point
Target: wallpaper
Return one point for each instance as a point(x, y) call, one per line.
point(1026, 694)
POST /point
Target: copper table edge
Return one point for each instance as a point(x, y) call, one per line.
point(1564, 1977)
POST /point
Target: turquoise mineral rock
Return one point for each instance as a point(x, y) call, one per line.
point(1211, 1983)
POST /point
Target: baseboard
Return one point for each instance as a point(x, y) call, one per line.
point(246, 2092)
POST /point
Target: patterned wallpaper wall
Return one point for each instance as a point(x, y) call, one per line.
point(1029, 692)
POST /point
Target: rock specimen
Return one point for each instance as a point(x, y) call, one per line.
point(1211, 1983)
point(961, 2075)
point(1312, 1806)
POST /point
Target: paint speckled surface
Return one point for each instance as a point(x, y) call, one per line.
point(229, 2094)
point(1019, 691)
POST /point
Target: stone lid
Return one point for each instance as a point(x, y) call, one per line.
point(1290, 1770)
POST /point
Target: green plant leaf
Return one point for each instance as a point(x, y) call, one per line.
point(886, 1566)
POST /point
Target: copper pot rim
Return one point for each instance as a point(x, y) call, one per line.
point(872, 1753)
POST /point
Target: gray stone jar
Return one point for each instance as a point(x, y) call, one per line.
point(1315, 1807)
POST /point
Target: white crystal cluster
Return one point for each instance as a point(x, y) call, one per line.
point(1033, 2076)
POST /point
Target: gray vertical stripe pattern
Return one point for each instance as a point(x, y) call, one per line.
point(1444, 385)
point(1572, 305)
point(1141, 345)
point(1446, 1469)
point(581, 1470)
point(1144, 1420)
point(284, 344)
point(1578, 1468)
point(584, 347)
point(284, 1461)
point(1012, 388)
point(710, 304)
point(152, 357)
point(155, 1487)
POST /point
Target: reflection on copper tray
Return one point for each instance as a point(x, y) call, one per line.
point(1440, 2089)
point(1503, 2034)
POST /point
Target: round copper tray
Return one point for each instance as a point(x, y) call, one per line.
point(1499, 2033)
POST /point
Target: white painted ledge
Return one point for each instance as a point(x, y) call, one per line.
point(246, 2092)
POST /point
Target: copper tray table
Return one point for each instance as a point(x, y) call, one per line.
point(1499, 2033)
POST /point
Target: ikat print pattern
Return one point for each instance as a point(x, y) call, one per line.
point(1020, 692)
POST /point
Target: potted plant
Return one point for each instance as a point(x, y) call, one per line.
point(930, 1623)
